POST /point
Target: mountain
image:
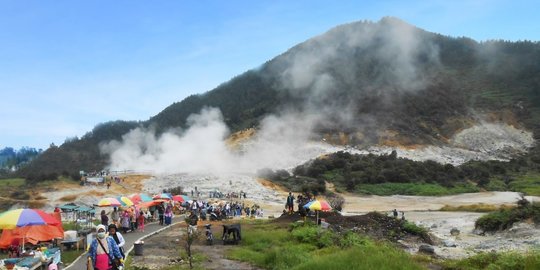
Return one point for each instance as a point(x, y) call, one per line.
point(384, 82)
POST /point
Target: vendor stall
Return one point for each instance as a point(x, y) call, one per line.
point(40, 260)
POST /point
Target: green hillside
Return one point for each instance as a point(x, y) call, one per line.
point(422, 86)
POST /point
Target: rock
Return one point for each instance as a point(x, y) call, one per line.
point(434, 226)
point(449, 243)
point(427, 249)
point(454, 231)
point(478, 232)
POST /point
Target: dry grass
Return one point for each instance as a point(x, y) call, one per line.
point(39, 197)
point(479, 208)
point(239, 137)
point(36, 204)
point(134, 183)
point(271, 185)
point(68, 198)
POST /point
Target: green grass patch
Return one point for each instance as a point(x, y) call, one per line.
point(492, 260)
point(528, 184)
point(68, 256)
point(12, 182)
point(310, 247)
point(419, 189)
point(496, 184)
point(379, 256)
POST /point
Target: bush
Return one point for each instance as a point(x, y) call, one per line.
point(412, 228)
point(351, 239)
point(336, 201)
point(505, 218)
point(492, 260)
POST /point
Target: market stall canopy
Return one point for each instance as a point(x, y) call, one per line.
point(31, 234)
point(150, 204)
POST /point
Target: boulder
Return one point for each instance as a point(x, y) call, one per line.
point(427, 249)
point(454, 231)
point(449, 243)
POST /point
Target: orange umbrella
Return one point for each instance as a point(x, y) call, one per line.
point(149, 204)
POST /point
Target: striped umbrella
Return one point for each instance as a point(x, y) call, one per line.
point(25, 217)
point(125, 201)
point(318, 205)
point(108, 202)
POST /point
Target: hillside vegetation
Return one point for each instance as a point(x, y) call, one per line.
point(422, 89)
point(390, 174)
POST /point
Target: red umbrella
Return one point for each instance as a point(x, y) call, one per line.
point(178, 198)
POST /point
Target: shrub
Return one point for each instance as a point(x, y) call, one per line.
point(492, 260)
point(505, 218)
point(336, 201)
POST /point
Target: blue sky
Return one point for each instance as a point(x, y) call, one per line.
point(66, 66)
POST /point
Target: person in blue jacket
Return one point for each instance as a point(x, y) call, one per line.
point(102, 257)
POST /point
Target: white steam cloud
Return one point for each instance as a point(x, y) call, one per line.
point(280, 143)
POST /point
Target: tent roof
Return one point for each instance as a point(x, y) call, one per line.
point(69, 206)
point(86, 209)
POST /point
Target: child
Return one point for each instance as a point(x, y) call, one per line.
point(140, 221)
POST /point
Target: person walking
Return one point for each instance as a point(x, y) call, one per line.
point(104, 252)
point(125, 222)
point(140, 222)
point(115, 216)
point(118, 238)
point(160, 213)
point(104, 218)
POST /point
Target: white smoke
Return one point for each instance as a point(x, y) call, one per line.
point(281, 142)
point(199, 148)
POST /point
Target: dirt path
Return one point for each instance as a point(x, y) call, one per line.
point(216, 258)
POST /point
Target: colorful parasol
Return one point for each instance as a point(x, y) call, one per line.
point(140, 197)
point(181, 198)
point(25, 217)
point(318, 205)
point(108, 202)
point(162, 196)
point(125, 201)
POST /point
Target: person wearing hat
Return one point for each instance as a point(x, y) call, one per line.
point(118, 238)
point(103, 251)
